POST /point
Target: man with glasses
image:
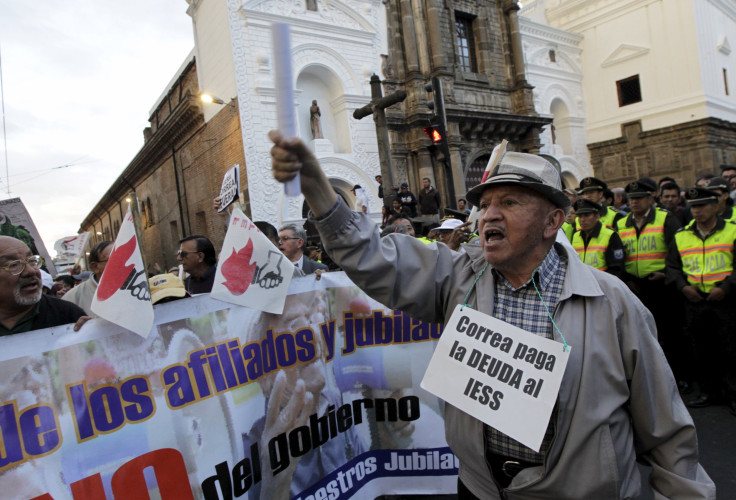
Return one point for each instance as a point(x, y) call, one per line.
point(292, 240)
point(83, 294)
point(198, 259)
point(23, 306)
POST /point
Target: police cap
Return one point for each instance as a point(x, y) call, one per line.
point(701, 196)
point(641, 188)
point(584, 206)
point(718, 183)
point(455, 214)
point(591, 184)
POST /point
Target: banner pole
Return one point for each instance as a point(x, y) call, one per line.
point(135, 212)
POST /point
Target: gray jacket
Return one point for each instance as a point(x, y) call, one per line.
point(618, 400)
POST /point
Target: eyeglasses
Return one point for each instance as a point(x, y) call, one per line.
point(287, 238)
point(17, 266)
point(182, 253)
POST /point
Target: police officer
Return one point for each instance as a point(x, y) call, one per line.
point(720, 186)
point(700, 265)
point(646, 234)
point(593, 189)
point(597, 245)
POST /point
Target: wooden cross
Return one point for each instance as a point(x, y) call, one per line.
point(376, 108)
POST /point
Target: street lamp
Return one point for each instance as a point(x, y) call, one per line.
point(210, 99)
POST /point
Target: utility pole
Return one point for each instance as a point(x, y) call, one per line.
point(376, 108)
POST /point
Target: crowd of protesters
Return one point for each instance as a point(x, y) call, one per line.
point(672, 245)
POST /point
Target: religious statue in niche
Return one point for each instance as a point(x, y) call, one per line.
point(314, 121)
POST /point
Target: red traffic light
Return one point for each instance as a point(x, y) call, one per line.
point(433, 133)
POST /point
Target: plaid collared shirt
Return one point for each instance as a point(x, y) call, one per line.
point(522, 308)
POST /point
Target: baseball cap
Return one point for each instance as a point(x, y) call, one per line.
point(404, 185)
point(83, 276)
point(46, 280)
point(527, 170)
point(450, 224)
point(167, 285)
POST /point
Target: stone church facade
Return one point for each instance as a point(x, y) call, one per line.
point(473, 46)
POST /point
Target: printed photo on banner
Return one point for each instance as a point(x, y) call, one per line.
point(322, 401)
point(15, 221)
point(230, 189)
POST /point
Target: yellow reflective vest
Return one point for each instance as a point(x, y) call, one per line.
point(595, 254)
point(568, 229)
point(645, 253)
point(707, 262)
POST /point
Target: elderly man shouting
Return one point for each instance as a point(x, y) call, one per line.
point(618, 401)
point(23, 307)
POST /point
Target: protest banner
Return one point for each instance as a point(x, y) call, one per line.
point(251, 271)
point(71, 247)
point(15, 221)
point(230, 189)
point(500, 374)
point(223, 401)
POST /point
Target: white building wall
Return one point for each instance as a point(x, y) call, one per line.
point(715, 24)
point(654, 39)
point(213, 51)
point(334, 52)
point(558, 92)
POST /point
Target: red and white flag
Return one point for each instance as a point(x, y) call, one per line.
point(122, 296)
point(71, 246)
point(251, 271)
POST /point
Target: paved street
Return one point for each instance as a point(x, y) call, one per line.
point(717, 437)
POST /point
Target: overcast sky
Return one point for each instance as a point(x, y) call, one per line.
point(79, 80)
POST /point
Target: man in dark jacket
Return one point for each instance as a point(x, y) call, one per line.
point(292, 240)
point(197, 257)
point(23, 306)
point(429, 202)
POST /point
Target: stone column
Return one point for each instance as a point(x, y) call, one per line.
point(409, 38)
point(517, 50)
point(421, 32)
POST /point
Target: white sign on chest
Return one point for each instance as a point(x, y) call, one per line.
point(502, 375)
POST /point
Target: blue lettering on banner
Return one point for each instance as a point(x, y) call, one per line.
point(347, 480)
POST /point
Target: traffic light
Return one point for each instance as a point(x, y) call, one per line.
point(437, 131)
point(434, 133)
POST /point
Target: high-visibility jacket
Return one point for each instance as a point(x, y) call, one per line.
point(595, 254)
point(569, 229)
point(728, 215)
point(646, 252)
point(707, 262)
point(608, 220)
